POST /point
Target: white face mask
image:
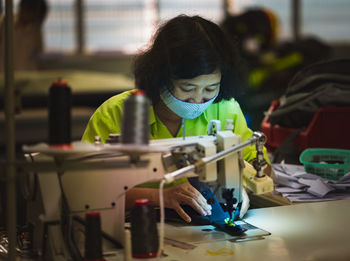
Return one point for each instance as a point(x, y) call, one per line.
point(185, 110)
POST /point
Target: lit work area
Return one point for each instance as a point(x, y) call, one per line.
point(174, 130)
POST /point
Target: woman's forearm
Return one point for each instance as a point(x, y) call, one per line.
point(151, 194)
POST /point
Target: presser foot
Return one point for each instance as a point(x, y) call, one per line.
point(258, 185)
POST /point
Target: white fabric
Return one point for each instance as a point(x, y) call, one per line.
point(245, 203)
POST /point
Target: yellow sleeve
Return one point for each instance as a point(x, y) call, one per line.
point(249, 153)
point(232, 110)
point(106, 119)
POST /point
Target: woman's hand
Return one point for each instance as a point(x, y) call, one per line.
point(185, 193)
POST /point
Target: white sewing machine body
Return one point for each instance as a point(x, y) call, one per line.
point(95, 177)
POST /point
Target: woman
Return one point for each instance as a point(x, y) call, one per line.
point(190, 72)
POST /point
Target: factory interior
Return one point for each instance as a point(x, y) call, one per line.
point(64, 188)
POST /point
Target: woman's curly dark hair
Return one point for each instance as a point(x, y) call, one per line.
point(186, 47)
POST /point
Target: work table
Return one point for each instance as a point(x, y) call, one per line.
point(312, 231)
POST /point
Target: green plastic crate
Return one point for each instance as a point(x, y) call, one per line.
point(331, 164)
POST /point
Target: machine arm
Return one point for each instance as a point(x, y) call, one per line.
point(258, 139)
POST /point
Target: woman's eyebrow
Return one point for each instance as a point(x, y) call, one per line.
point(214, 84)
point(189, 84)
point(192, 84)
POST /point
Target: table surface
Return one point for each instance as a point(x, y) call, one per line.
point(312, 231)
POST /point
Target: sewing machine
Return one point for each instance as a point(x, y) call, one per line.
point(95, 177)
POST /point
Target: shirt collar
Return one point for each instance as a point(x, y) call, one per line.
point(204, 115)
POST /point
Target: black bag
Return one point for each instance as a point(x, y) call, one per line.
point(323, 84)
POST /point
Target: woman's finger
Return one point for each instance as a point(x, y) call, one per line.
point(192, 202)
point(182, 213)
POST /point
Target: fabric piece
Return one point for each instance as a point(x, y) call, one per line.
point(218, 215)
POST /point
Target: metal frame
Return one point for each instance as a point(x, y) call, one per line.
point(10, 131)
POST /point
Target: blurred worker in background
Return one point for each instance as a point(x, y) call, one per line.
point(192, 71)
point(28, 37)
point(271, 63)
point(256, 30)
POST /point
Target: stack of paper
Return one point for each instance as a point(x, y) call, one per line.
point(298, 186)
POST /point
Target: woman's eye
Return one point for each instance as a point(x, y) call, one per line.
point(186, 90)
point(211, 90)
